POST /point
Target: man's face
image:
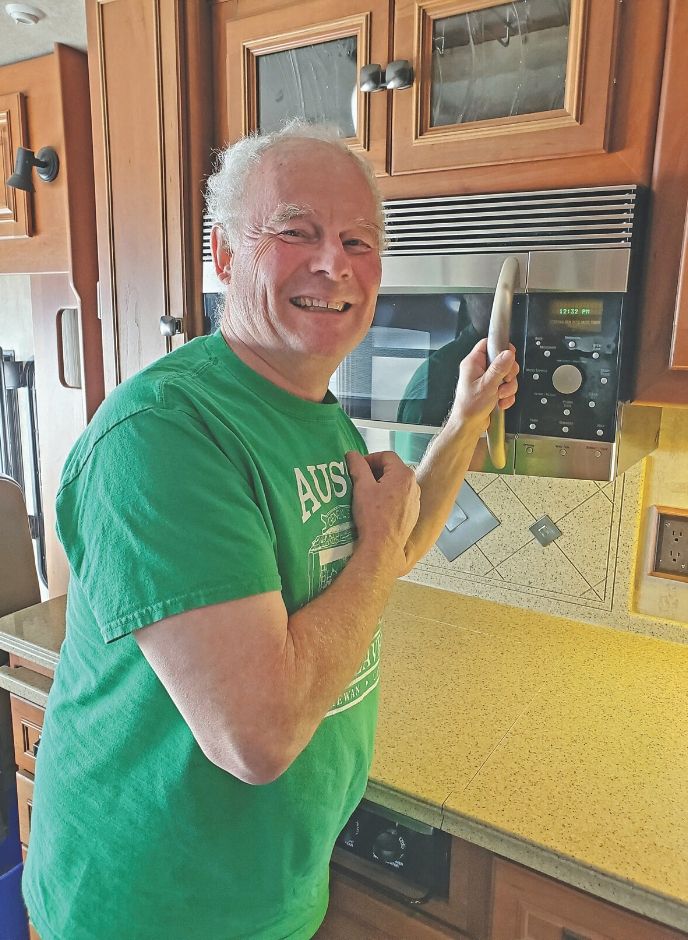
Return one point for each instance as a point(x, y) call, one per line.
point(303, 276)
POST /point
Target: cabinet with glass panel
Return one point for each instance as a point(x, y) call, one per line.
point(470, 95)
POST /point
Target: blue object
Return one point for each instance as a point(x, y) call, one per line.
point(14, 924)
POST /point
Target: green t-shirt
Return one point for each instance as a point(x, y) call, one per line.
point(197, 482)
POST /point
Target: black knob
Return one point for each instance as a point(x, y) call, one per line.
point(389, 846)
point(350, 833)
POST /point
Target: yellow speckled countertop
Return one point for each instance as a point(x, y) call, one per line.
point(556, 744)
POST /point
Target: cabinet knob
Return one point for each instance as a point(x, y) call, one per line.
point(399, 74)
point(170, 326)
point(372, 78)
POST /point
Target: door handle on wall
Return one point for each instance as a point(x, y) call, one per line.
point(497, 342)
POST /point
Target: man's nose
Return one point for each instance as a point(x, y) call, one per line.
point(332, 259)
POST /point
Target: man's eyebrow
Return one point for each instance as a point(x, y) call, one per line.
point(287, 211)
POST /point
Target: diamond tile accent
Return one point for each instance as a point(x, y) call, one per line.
point(544, 569)
point(515, 519)
point(586, 537)
point(544, 496)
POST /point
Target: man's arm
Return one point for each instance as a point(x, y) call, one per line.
point(442, 470)
point(252, 682)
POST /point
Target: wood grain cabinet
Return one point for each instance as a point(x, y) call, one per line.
point(662, 371)
point(528, 906)
point(14, 203)
point(151, 109)
point(504, 96)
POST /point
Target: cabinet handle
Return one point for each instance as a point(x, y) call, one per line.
point(170, 326)
point(372, 78)
point(398, 74)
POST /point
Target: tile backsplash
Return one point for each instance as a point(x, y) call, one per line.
point(587, 573)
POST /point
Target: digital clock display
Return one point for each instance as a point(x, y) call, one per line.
point(579, 315)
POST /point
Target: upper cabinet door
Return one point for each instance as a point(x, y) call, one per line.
point(502, 82)
point(303, 62)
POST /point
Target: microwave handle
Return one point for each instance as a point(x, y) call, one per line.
point(497, 342)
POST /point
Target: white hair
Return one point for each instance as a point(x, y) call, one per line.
point(226, 187)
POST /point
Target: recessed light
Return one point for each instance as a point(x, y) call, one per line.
point(24, 13)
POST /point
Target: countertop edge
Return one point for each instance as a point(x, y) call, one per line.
point(30, 651)
point(514, 848)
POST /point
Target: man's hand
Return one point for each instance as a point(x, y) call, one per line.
point(481, 387)
point(386, 503)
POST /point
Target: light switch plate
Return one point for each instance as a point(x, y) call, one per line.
point(468, 522)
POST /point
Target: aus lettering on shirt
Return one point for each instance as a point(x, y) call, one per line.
point(327, 480)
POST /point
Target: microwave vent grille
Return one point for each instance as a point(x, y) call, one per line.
point(600, 217)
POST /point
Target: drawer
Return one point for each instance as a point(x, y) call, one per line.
point(25, 801)
point(27, 721)
point(530, 906)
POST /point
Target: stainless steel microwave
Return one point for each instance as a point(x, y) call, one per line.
point(573, 269)
point(575, 272)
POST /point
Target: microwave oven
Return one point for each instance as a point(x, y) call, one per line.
point(568, 262)
point(573, 259)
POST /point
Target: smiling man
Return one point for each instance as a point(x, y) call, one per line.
point(232, 548)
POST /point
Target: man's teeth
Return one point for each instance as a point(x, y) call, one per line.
point(318, 304)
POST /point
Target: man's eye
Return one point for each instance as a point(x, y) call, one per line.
point(357, 243)
point(293, 233)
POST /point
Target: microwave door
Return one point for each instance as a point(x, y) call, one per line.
point(399, 384)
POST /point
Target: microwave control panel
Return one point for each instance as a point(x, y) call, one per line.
point(569, 383)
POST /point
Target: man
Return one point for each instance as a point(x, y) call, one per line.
point(211, 724)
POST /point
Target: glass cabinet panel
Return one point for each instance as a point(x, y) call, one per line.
point(499, 61)
point(316, 83)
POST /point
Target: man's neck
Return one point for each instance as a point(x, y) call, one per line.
point(307, 386)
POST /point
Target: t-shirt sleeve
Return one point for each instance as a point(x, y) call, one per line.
point(157, 519)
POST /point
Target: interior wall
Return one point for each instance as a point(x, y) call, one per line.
point(588, 573)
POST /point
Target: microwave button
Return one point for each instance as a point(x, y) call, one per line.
point(547, 353)
point(532, 428)
point(572, 344)
point(529, 447)
point(566, 431)
point(536, 376)
point(567, 379)
point(591, 404)
point(603, 380)
point(543, 401)
point(595, 355)
point(567, 411)
point(599, 432)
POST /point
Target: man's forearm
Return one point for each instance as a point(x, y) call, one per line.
point(440, 475)
point(328, 638)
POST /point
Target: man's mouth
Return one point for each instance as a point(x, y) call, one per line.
point(315, 303)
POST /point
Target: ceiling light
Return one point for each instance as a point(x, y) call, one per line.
point(24, 13)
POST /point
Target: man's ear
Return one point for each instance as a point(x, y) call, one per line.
point(222, 256)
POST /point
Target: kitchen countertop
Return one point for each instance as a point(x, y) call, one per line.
point(557, 744)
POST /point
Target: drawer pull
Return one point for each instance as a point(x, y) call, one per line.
point(35, 752)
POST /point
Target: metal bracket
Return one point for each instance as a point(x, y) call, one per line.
point(397, 75)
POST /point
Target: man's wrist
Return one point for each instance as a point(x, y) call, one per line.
point(465, 426)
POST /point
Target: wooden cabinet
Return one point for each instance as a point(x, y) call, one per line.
point(503, 98)
point(151, 108)
point(528, 906)
point(14, 203)
point(662, 369)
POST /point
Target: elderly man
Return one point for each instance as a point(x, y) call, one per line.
point(211, 723)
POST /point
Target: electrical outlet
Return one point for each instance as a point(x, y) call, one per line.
point(671, 545)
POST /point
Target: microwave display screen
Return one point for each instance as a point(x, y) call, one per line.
point(576, 315)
